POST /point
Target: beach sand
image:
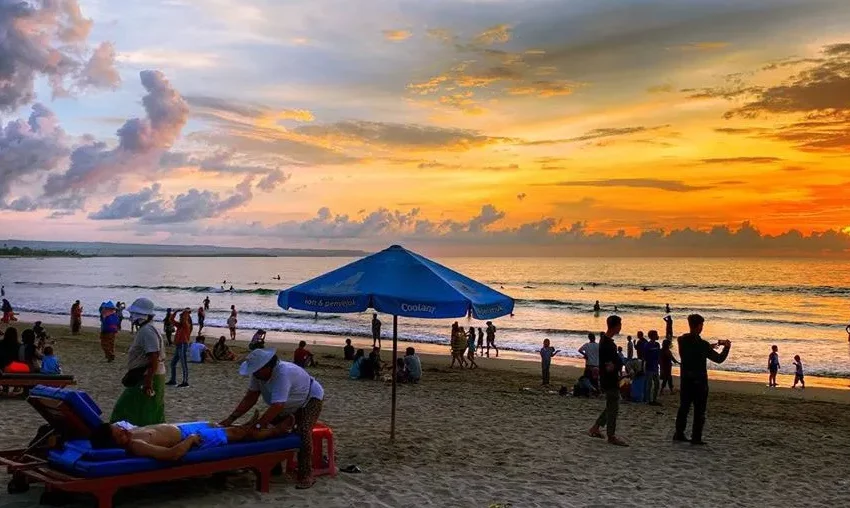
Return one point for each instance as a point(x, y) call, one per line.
point(492, 437)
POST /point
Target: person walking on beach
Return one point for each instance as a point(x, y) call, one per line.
point(666, 366)
point(143, 400)
point(376, 330)
point(773, 366)
point(458, 345)
point(546, 354)
point(651, 360)
point(232, 321)
point(480, 347)
point(630, 348)
point(640, 344)
point(108, 329)
point(206, 303)
point(491, 338)
point(169, 325)
point(290, 392)
point(590, 352)
point(470, 348)
point(202, 315)
point(610, 382)
point(76, 317)
point(798, 372)
point(668, 320)
point(695, 352)
point(181, 349)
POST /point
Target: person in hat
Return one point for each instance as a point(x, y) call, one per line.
point(289, 391)
point(143, 400)
point(108, 328)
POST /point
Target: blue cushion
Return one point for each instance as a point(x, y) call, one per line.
point(89, 463)
point(79, 401)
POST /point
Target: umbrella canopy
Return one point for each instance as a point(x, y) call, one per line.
point(399, 282)
point(402, 283)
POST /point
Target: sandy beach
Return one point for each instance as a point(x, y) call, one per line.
point(492, 437)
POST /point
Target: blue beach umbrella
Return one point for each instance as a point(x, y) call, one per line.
point(402, 283)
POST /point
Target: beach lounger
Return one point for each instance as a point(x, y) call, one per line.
point(74, 467)
point(27, 381)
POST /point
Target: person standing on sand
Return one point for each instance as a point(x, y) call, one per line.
point(289, 391)
point(651, 361)
point(668, 320)
point(202, 315)
point(470, 348)
point(108, 329)
point(169, 325)
point(610, 382)
point(491, 338)
point(143, 400)
point(376, 330)
point(798, 372)
point(181, 349)
point(232, 321)
point(590, 352)
point(640, 344)
point(773, 366)
point(76, 318)
point(480, 347)
point(206, 303)
point(666, 366)
point(695, 352)
point(630, 350)
point(546, 354)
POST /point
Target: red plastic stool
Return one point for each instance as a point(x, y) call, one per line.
point(321, 434)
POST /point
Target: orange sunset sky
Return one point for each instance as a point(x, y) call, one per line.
point(457, 126)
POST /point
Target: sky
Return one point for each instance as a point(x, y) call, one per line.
point(487, 127)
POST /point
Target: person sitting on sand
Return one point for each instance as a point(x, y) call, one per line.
point(9, 347)
point(413, 365)
point(401, 374)
point(798, 372)
point(221, 352)
point(171, 442)
point(28, 352)
point(199, 352)
point(302, 356)
point(49, 363)
point(773, 366)
point(40, 332)
point(356, 371)
point(258, 341)
point(348, 351)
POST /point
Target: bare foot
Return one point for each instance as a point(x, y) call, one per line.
point(594, 432)
point(614, 440)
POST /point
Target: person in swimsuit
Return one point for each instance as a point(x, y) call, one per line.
point(171, 442)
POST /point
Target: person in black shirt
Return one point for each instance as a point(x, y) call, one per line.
point(348, 350)
point(376, 331)
point(610, 365)
point(694, 352)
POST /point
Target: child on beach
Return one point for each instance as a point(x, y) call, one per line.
point(773, 365)
point(546, 354)
point(798, 372)
point(49, 363)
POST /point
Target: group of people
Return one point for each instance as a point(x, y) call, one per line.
point(465, 344)
point(773, 369)
point(31, 351)
point(137, 423)
point(408, 368)
point(610, 364)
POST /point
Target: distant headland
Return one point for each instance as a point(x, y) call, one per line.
point(38, 249)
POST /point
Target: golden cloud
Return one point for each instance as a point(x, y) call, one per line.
point(397, 35)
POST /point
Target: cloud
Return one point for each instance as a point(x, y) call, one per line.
point(402, 135)
point(436, 165)
point(47, 39)
point(273, 180)
point(741, 160)
point(141, 142)
point(646, 183)
point(521, 196)
point(496, 34)
point(168, 58)
point(702, 46)
point(503, 167)
point(607, 132)
point(149, 207)
point(28, 147)
point(462, 101)
point(397, 35)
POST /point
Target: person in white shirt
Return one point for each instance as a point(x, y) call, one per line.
point(590, 352)
point(290, 392)
point(199, 352)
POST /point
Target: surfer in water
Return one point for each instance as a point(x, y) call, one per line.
point(231, 288)
point(596, 307)
point(667, 309)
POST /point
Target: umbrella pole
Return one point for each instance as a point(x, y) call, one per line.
point(395, 355)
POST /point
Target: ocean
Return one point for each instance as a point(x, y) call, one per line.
point(798, 304)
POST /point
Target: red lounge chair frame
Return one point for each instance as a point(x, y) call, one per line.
point(32, 382)
point(36, 470)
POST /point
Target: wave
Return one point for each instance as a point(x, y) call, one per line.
point(191, 289)
point(748, 288)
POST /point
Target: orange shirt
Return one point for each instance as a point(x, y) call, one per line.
point(184, 332)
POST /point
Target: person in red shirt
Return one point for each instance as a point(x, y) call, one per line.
point(302, 357)
point(181, 349)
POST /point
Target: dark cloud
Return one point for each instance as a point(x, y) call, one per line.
point(436, 165)
point(645, 183)
point(47, 38)
point(273, 180)
point(741, 160)
point(608, 132)
point(131, 206)
point(141, 142)
point(504, 167)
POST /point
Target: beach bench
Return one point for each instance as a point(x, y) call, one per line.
point(70, 465)
point(28, 381)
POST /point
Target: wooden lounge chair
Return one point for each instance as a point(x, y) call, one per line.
point(28, 381)
point(71, 466)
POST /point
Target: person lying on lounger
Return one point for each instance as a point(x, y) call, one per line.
point(172, 442)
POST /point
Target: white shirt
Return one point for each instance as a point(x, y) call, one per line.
point(591, 353)
point(196, 352)
point(289, 385)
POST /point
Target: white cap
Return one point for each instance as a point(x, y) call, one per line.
point(142, 306)
point(256, 360)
